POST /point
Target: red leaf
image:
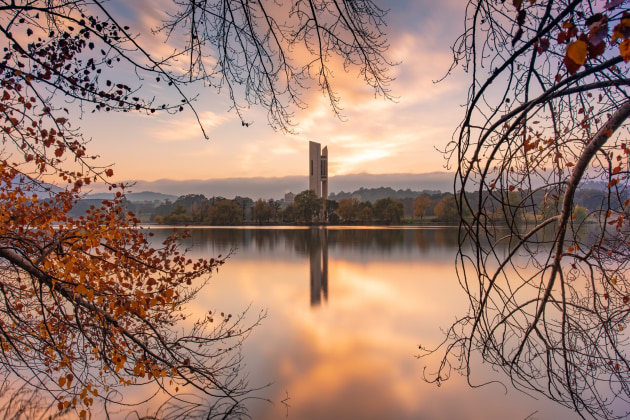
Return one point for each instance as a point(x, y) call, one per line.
point(543, 45)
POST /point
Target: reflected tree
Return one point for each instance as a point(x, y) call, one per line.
point(547, 111)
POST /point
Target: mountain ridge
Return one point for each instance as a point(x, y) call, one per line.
point(277, 187)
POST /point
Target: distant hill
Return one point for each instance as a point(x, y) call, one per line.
point(139, 197)
point(373, 194)
point(265, 188)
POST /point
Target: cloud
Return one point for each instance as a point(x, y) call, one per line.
point(374, 135)
point(187, 128)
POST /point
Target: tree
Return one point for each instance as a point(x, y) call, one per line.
point(389, 210)
point(580, 214)
point(262, 211)
point(348, 209)
point(330, 214)
point(306, 206)
point(250, 45)
point(421, 205)
point(225, 212)
point(194, 205)
point(394, 213)
point(366, 211)
point(287, 215)
point(446, 210)
point(548, 97)
point(88, 305)
point(274, 206)
point(511, 209)
point(176, 217)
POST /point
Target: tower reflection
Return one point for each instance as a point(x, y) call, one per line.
point(318, 251)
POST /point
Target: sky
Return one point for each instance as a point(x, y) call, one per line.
point(376, 136)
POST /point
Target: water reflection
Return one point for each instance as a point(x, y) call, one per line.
point(291, 242)
point(319, 265)
point(350, 356)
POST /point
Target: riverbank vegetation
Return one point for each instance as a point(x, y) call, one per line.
point(426, 208)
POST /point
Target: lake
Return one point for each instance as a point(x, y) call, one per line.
point(347, 309)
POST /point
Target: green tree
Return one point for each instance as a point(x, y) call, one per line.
point(177, 217)
point(389, 210)
point(195, 206)
point(226, 212)
point(421, 205)
point(307, 206)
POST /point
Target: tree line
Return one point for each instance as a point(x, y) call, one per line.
point(307, 208)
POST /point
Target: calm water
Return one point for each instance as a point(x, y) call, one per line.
point(347, 309)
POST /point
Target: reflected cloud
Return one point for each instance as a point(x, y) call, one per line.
point(390, 290)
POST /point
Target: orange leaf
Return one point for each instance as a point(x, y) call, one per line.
point(81, 289)
point(577, 52)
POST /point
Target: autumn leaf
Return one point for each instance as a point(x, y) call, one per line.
point(543, 45)
point(621, 30)
point(81, 289)
point(575, 56)
point(624, 50)
point(577, 52)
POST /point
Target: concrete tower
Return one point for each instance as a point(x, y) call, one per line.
point(318, 175)
point(324, 174)
point(318, 169)
point(315, 161)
